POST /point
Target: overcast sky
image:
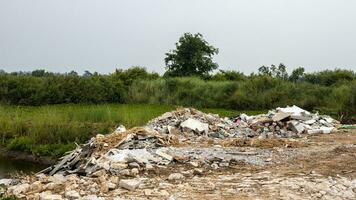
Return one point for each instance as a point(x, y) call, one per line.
point(103, 35)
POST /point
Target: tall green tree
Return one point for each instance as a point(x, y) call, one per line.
point(192, 57)
point(297, 74)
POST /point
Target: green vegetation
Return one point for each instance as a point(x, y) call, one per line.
point(331, 92)
point(192, 57)
point(52, 130)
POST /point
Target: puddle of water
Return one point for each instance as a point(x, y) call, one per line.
point(8, 167)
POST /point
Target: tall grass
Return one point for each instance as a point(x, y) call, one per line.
point(252, 94)
point(52, 130)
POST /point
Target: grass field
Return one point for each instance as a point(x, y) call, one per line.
point(52, 130)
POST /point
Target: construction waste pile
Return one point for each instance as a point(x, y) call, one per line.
point(289, 122)
point(120, 159)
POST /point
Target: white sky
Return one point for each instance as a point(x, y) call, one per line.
point(102, 35)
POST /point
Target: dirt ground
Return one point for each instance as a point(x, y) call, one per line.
point(313, 167)
point(316, 167)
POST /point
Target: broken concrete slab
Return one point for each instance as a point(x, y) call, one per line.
point(279, 116)
point(296, 126)
point(195, 125)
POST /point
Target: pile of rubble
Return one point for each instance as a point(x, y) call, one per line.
point(289, 122)
point(129, 153)
point(115, 153)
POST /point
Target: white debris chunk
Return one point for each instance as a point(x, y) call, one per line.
point(164, 155)
point(72, 194)
point(120, 129)
point(295, 110)
point(195, 125)
point(5, 181)
point(140, 155)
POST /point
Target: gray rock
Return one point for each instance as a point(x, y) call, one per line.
point(49, 196)
point(72, 194)
point(18, 189)
point(175, 176)
point(129, 184)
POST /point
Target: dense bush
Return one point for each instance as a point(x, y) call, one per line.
point(330, 91)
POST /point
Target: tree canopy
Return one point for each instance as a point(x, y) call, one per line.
point(192, 57)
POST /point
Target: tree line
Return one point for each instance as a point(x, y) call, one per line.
point(188, 81)
point(271, 86)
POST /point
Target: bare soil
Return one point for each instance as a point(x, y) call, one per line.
point(316, 167)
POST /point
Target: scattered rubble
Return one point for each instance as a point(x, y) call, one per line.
point(130, 184)
point(193, 141)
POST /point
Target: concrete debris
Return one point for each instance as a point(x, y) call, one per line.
point(72, 194)
point(120, 129)
point(124, 156)
point(195, 125)
point(129, 184)
point(279, 116)
point(6, 182)
point(50, 196)
point(175, 176)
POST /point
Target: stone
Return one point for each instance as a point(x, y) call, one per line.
point(118, 165)
point(18, 189)
point(114, 179)
point(279, 116)
point(224, 164)
point(104, 188)
point(164, 155)
point(148, 192)
point(149, 167)
point(175, 176)
point(5, 182)
point(57, 178)
point(194, 164)
point(215, 166)
point(36, 187)
point(163, 193)
point(93, 190)
point(102, 179)
point(72, 177)
point(172, 130)
point(111, 185)
point(198, 171)
point(125, 172)
point(53, 186)
point(164, 185)
point(134, 164)
point(72, 194)
point(195, 125)
point(50, 196)
point(129, 184)
point(134, 171)
point(99, 173)
point(120, 129)
point(296, 126)
point(92, 197)
point(105, 165)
